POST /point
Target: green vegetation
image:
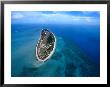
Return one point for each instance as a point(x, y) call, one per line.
point(49, 39)
point(49, 49)
point(43, 52)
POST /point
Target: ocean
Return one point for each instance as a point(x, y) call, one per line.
point(77, 52)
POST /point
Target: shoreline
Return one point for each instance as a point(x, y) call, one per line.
point(50, 53)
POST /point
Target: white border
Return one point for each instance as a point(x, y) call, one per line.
point(55, 80)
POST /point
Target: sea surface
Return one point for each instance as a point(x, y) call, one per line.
point(77, 52)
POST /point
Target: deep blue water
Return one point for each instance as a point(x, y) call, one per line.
point(77, 51)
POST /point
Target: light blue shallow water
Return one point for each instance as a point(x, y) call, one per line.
point(77, 51)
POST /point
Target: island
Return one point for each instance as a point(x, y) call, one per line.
point(46, 45)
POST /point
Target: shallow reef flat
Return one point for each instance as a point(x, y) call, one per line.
point(68, 61)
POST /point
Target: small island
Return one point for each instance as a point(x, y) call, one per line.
point(46, 45)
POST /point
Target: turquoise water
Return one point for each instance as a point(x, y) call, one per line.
point(77, 52)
